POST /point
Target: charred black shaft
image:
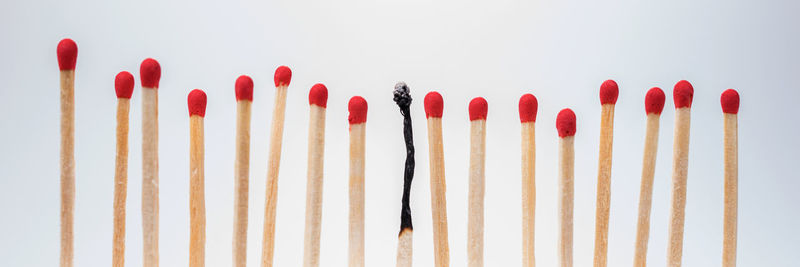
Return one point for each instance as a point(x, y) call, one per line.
point(403, 99)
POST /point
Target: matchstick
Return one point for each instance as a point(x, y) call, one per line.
point(197, 202)
point(477, 171)
point(528, 106)
point(283, 75)
point(653, 104)
point(608, 98)
point(682, 96)
point(402, 97)
point(244, 101)
point(358, 120)
point(123, 84)
point(317, 99)
point(566, 124)
point(730, 106)
point(150, 72)
point(67, 53)
point(434, 106)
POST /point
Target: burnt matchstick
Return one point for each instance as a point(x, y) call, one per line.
point(434, 106)
point(150, 72)
point(197, 202)
point(67, 53)
point(244, 101)
point(608, 98)
point(123, 84)
point(317, 99)
point(358, 120)
point(682, 96)
point(528, 106)
point(730, 108)
point(566, 124)
point(477, 171)
point(283, 75)
point(402, 96)
point(653, 104)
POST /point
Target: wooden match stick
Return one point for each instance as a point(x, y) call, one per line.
point(402, 97)
point(434, 106)
point(528, 106)
point(317, 99)
point(123, 84)
point(654, 104)
point(197, 202)
point(730, 106)
point(150, 72)
point(566, 124)
point(67, 53)
point(608, 98)
point(358, 120)
point(283, 75)
point(244, 101)
point(682, 96)
point(477, 171)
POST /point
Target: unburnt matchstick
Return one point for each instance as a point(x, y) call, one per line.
point(67, 53)
point(682, 96)
point(244, 101)
point(197, 202)
point(566, 126)
point(317, 99)
point(434, 106)
point(730, 108)
point(123, 84)
point(608, 98)
point(358, 120)
point(528, 106)
point(477, 171)
point(402, 96)
point(150, 72)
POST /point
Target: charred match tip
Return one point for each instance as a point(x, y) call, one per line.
point(67, 53)
point(682, 94)
point(730, 101)
point(318, 95)
point(123, 84)
point(565, 123)
point(654, 101)
point(402, 94)
point(283, 76)
point(434, 105)
point(150, 72)
point(478, 108)
point(244, 88)
point(358, 110)
point(197, 103)
point(528, 106)
point(609, 92)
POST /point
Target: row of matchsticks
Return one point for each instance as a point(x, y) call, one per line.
point(150, 72)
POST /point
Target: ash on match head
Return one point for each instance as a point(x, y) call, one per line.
point(283, 76)
point(150, 72)
point(123, 84)
point(478, 108)
point(565, 123)
point(67, 53)
point(402, 95)
point(682, 94)
point(654, 101)
point(197, 103)
point(358, 110)
point(730, 101)
point(528, 106)
point(244, 88)
point(609, 92)
point(318, 95)
point(434, 105)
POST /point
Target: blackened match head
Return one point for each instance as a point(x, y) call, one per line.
point(197, 103)
point(402, 94)
point(123, 84)
point(609, 92)
point(150, 72)
point(478, 108)
point(565, 123)
point(318, 95)
point(358, 110)
point(730, 101)
point(283, 76)
point(434, 105)
point(654, 101)
point(244, 88)
point(528, 107)
point(683, 94)
point(67, 53)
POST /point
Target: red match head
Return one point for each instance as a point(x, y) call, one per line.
point(358, 110)
point(565, 123)
point(244, 88)
point(283, 76)
point(123, 84)
point(318, 95)
point(730, 101)
point(150, 72)
point(197, 103)
point(609, 92)
point(478, 108)
point(434, 105)
point(682, 94)
point(67, 53)
point(528, 106)
point(654, 101)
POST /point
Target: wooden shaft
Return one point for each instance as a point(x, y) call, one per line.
point(67, 166)
point(273, 165)
point(357, 159)
point(404, 248)
point(150, 176)
point(528, 193)
point(477, 170)
point(646, 190)
point(241, 182)
point(438, 190)
point(731, 139)
point(566, 189)
point(680, 166)
point(316, 149)
point(120, 183)
point(603, 185)
point(197, 203)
